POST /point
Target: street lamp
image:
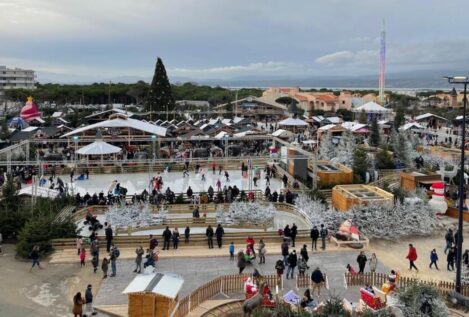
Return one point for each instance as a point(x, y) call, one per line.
point(462, 80)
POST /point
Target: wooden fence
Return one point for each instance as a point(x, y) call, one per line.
point(305, 281)
point(220, 285)
point(378, 279)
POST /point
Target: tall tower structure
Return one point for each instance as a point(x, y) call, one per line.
point(382, 64)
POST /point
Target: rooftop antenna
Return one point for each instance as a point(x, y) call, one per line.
point(382, 64)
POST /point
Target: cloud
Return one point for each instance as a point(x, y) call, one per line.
point(335, 57)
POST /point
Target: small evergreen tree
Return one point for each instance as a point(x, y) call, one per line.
point(360, 164)
point(362, 117)
point(374, 135)
point(384, 159)
point(327, 149)
point(159, 96)
point(399, 119)
point(346, 146)
point(401, 148)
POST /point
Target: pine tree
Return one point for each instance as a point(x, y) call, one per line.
point(362, 117)
point(327, 149)
point(159, 96)
point(374, 135)
point(360, 164)
point(384, 159)
point(401, 148)
point(399, 119)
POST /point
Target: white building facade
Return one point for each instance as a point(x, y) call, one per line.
point(16, 78)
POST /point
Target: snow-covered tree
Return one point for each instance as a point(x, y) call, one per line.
point(327, 149)
point(346, 146)
point(317, 213)
point(251, 213)
point(402, 148)
point(133, 216)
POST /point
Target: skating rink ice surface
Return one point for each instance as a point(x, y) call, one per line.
point(137, 182)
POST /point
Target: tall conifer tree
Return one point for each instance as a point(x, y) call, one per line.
point(159, 96)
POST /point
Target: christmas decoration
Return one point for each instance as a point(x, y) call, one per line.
point(159, 96)
point(251, 213)
point(421, 300)
point(134, 216)
point(327, 149)
point(346, 146)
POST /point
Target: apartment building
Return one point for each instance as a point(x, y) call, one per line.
point(14, 78)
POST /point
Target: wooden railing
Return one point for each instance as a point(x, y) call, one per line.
point(220, 285)
point(304, 281)
point(378, 279)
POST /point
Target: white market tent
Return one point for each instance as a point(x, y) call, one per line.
point(99, 147)
point(411, 126)
point(167, 285)
point(282, 133)
point(429, 115)
point(121, 121)
point(371, 107)
point(293, 122)
point(37, 191)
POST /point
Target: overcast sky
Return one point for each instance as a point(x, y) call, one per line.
point(77, 40)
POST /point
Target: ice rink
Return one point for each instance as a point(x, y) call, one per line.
point(137, 182)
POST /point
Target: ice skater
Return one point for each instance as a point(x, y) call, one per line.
point(218, 185)
point(202, 171)
point(185, 173)
point(227, 176)
point(220, 169)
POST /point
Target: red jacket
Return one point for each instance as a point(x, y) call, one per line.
point(412, 255)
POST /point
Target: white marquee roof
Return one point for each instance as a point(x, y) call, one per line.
point(410, 125)
point(167, 285)
point(99, 147)
point(293, 122)
point(428, 115)
point(371, 107)
point(122, 122)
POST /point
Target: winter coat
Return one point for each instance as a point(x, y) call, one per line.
point(88, 296)
point(167, 234)
point(209, 232)
point(317, 276)
point(373, 263)
point(433, 256)
point(294, 231)
point(324, 232)
point(219, 232)
point(412, 255)
point(241, 262)
point(78, 306)
point(108, 233)
point(450, 256)
point(139, 257)
point(292, 259)
point(287, 232)
point(314, 233)
point(280, 267)
point(304, 254)
point(284, 248)
point(361, 259)
point(105, 265)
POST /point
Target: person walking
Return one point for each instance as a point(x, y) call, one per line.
point(78, 302)
point(279, 267)
point(314, 234)
point(153, 242)
point(304, 254)
point(166, 238)
point(293, 234)
point(115, 253)
point(89, 301)
point(412, 257)
point(209, 235)
point(323, 233)
point(175, 238)
point(284, 247)
point(219, 232)
point(109, 237)
point(261, 251)
point(449, 239)
point(318, 279)
point(361, 260)
point(187, 233)
point(105, 266)
point(95, 263)
point(79, 244)
point(34, 255)
point(433, 259)
point(373, 263)
point(138, 259)
point(450, 259)
point(241, 262)
point(95, 248)
point(232, 250)
point(287, 232)
point(82, 257)
point(292, 262)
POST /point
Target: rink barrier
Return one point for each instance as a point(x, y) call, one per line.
point(222, 285)
point(378, 279)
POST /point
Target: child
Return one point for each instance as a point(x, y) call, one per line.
point(95, 262)
point(232, 250)
point(82, 256)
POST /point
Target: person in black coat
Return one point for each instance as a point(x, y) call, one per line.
point(450, 259)
point(109, 237)
point(167, 238)
point(287, 231)
point(219, 234)
point(294, 232)
point(292, 262)
point(304, 253)
point(314, 234)
point(209, 234)
point(361, 260)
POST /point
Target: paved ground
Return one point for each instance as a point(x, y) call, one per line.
point(197, 271)
point(46, 292)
